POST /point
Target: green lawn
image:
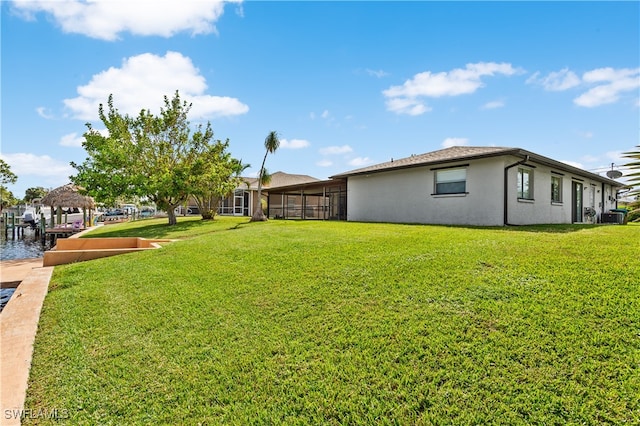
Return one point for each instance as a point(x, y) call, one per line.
point(304, 322)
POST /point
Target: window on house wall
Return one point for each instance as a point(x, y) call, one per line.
point(525, 184)
point(451, 181)
point(556, 189)
point(592, 196)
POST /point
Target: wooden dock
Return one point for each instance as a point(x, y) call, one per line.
point(60, 232)
point(14, 225)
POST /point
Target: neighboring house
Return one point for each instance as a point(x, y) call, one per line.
point(487, 186)
point(245, 198)
point(323, 200)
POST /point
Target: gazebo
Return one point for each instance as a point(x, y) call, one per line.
point(69, 196)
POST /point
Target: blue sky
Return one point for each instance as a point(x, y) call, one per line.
point(345, 84)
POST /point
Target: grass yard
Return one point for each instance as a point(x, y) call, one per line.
point(303, 322)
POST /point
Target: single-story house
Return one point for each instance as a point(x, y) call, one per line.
point(486, 186)
point(323, 200)
point(245, 198)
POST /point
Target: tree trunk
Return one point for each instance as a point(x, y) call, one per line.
point(172, 215)
point(208, 214)
point(208, 206)
point(258, 214)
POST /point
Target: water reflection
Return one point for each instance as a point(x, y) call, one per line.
point(26, 247)
point(5, 295)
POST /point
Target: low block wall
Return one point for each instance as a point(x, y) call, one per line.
point(69, 250)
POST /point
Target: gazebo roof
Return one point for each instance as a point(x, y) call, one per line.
point(67, 196)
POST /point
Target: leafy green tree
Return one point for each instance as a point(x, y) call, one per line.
point(635, 166)
point(32, 193)
point(6, 176)
point(145, 156)
point(271, 143)
point(215, 176)
point(6, 198)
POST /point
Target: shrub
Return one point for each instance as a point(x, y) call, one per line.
point(633, 216)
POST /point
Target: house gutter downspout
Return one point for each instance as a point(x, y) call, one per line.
point(601, 203)
point(506, 188)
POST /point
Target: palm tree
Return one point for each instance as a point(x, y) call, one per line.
point(635, 166)
point(271, 143)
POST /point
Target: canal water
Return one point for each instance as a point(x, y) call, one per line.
point(27, 246)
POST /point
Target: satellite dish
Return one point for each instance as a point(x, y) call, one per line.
point(614, 174)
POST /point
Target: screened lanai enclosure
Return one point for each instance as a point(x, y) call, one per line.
point(321, 200)
point(237, 204)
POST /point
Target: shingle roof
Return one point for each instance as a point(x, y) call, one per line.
point(281, 179)
point(462, 153)
point(443, 155)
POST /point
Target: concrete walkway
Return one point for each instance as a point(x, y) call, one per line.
point(18, 327)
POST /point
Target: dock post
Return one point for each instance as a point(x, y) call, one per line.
point(13, 225)
point(43, 228)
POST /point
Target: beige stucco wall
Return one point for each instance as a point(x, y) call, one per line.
point(69, 250)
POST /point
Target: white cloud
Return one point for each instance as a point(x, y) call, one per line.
point(404, 99)
point(44, 113)
point(556, 81)
point(609, 74)
point(407, 106)
point(334, 150)
point(609, 157)
point(134, 88)
point(587, 135)
point(325, 114)
point(493, 105)
point(360, 161)
point(617, 156)
point(106, 20)
point(449, 142)
point(27, 164)
point(72, 140)
point(376, 73)
point(607, 85)
point(294, 143)
point(590, 158)
point(573, 163)
point(324, 163)
point(456, 82)
point(614, 83)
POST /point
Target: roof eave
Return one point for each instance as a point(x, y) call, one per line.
point(569, 168)
point(518, 152)
point(365, 171)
